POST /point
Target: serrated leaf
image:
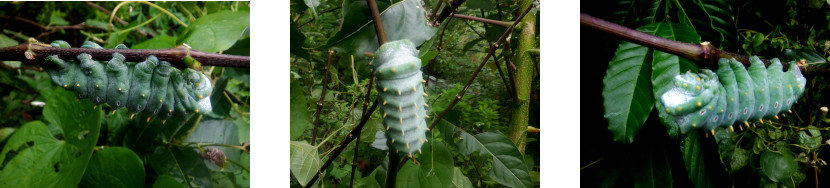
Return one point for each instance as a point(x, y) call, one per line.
point(692, 149)
point(656, 171)
point(627, 94)
point(508, 168)
point(305, 161)
point(404, 19)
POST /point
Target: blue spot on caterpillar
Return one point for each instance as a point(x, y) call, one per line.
point(401, 91)
point(733, 94)
point(151, 87)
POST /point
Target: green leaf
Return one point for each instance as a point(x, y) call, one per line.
point(158, 42)
point(42, 160)
point(404, 19)
point(298, 42)
point(299, 112)
point(666, 66)
point(297, 6)
point(5, 132)
point(6, 41)
point(508, 168)
point(656, 171)
point(217, 31)
point(165, 181)
point(305, 161)
point(693, 156)
point(480, 4)
point(778, 166)
point(627, 94)
point(220, 103)
point(114, 167)
point(312, 4)
point(810, 138)
point(712, 19)
point(56, 20)
point(185, 165)
point(459, 180)
point(218, 132)
point(435, 169)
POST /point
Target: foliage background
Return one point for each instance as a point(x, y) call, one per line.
point(484, 111)
point(53, 145)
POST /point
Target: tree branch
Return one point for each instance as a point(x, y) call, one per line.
point(320, 102)
point(483, 20)
point(702, 54)
point(173, 55)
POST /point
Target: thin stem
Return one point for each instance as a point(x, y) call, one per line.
point(354, 158)
point(447, 10)
point(392, 169)
point(343, 144)
point(173, 55)
point(479, 19)
point(139, 25)
point(238, 164)
point(77, 26)
point(320, 102)
point(112, 16)
point(481, 65)
point(373, 9)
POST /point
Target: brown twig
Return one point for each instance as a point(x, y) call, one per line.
point(76, 26)
point(373, 9)
point(173, 55)
point(483, 20)
point(320, 102)
point(446, 11)
point(493, 48)
point(702, 54)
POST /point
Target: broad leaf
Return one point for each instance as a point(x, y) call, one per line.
point(779, 165)
point(158, 42)
point(217, 31)
point(693, 156)
point(298, 42)
point(220, 103)
point(165, 181)
point(185, 165)
point(666, 66)
point(32, 157)
point(627, 94)
point(404, 19)
point(114, 167)
point(218, 132)
point(299, 111)
point(459, 180)
point(712, 19)
point(305, 161)
point(435, 169)
point(656, 171)
point(508, 168)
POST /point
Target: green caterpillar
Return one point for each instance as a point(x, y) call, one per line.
point(401, 90)
point(151, 87)
point(733, 94)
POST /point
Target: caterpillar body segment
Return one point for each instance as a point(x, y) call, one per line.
point(400, 88)
point(150, 88)
point(733, 94)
